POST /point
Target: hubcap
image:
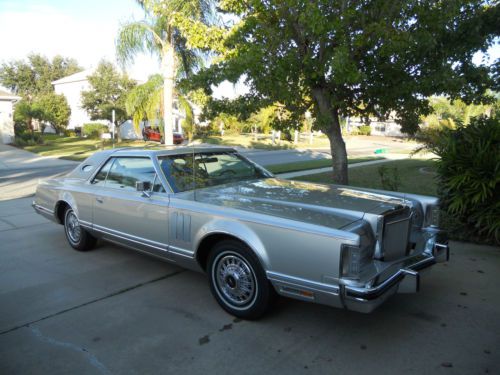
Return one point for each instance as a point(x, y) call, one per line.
point(235, 279)
point(73, 227)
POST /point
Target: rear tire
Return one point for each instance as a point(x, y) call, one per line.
point(238, 281)
point(78, 237)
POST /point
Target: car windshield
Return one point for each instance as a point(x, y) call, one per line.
point(207, 169)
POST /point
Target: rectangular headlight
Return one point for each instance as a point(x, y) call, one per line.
point(432, 216)
point(350, 265)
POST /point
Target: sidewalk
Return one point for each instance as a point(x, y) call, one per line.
point(307, 172)
point(14, 158)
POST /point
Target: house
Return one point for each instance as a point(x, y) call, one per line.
point(7, 101)
point(388, 127)
point(73, 85)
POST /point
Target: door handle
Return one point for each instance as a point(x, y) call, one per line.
point(99, 200)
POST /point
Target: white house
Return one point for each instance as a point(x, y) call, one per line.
point(7, 101)
point(389, 127)
point(73, 85)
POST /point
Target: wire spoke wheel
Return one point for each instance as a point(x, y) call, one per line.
point(238, 281)
point(73, 228)
point(235, 279)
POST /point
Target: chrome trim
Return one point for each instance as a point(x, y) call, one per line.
point(41, 208)
point(296, 282)
point(129, 237)
point(181, 252)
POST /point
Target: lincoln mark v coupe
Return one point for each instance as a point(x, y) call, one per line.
point(255, 235)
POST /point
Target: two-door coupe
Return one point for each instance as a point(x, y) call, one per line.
point(213, 210)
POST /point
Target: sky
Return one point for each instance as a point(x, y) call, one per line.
point(85, 30)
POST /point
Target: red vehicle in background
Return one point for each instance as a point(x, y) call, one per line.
point(153, 134)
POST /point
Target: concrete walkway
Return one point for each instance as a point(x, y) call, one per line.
point(14, 158)
point(307, 172)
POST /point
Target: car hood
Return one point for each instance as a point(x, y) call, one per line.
point(325, 205)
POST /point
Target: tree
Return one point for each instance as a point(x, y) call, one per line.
point(109, 92)
point(158, 34)
point(145, 103)
point(350, 58)
point(54, 109)
point(34, 76)
point(451, 113)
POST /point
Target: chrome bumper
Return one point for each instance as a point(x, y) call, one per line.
point(405, 280)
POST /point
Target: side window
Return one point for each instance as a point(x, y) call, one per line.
point(157, 186)
point(100, 177)
point(125, 172)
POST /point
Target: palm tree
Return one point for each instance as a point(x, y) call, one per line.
point(158, 34)
point(144, 102)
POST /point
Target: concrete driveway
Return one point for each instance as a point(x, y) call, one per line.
point(20, 171)
point(114, 311)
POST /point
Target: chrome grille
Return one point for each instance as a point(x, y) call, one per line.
point(397, 226)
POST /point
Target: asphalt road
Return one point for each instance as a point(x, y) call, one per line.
point(114, 311)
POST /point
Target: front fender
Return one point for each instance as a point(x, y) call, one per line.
point(235, 229)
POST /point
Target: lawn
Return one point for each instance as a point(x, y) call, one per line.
point(75, 148)
point(416, 175)
point(264, 141)
point(313, 164)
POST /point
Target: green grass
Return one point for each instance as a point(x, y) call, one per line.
point(75, 148)
point(413, 178)
point(313, 164)
point(263, 141)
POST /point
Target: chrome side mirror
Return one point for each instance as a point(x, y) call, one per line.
point(144, 187)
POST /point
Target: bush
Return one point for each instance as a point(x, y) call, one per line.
point(94, 129)
point(389, 178)
point(469, 173)
point(364, 130)
point(28, 139)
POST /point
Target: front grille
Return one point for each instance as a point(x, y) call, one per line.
point(397, 226)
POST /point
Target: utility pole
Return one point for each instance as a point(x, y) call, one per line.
point(113, 126)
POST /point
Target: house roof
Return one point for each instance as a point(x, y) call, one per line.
point(5, 95)
point(76, 77)
point(82, 76)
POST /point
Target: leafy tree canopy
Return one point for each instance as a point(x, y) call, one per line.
point(109, 89)
point(350, 58)
point(52, 108)
point(33, 76)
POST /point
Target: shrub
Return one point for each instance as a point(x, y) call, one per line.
point(389, 178)
point(28, 139)
point(364, 130)
point(94, 129)
point(469, 174)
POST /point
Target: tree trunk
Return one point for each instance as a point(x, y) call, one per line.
point(168, 70)
point(330, 123)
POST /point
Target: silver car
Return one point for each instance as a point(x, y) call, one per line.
point(256, 236)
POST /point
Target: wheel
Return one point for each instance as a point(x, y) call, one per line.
point(145, 138)
point(78, 237)
point(237, 280)
point(162, 141)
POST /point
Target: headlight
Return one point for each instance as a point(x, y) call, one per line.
point(432, 216)
point(350, 264)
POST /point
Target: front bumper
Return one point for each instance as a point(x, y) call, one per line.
point(405, 280)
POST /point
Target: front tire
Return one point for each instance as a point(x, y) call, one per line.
point(237, 280)
point(78, 237)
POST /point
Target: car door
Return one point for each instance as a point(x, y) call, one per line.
point(123, 214)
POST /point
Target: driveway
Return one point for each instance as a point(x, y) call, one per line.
point(20, 171)
point(114, 311)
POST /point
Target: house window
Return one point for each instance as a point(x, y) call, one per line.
point(380, 128)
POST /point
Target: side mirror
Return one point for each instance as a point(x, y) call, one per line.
point(144, 187)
